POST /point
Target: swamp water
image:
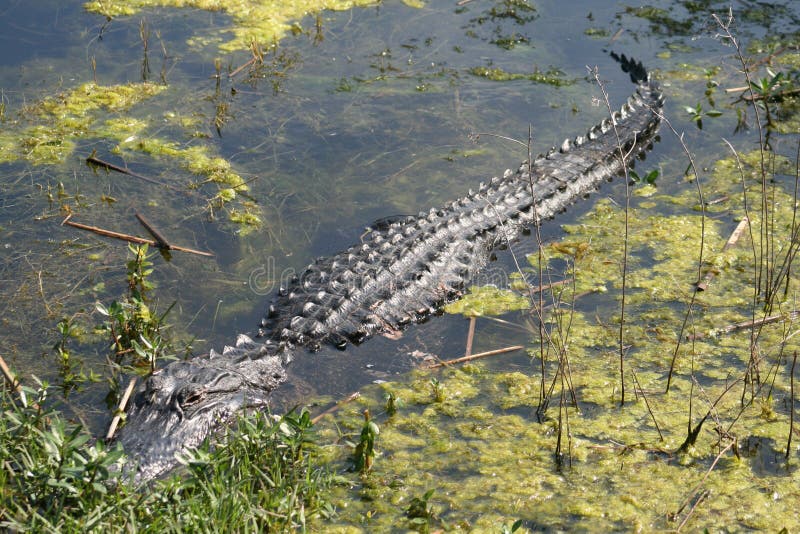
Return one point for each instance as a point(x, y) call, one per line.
point(273, 153)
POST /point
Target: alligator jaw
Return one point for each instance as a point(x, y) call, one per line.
point(181, 405)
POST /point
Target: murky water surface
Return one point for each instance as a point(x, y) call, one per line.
point(371, 112)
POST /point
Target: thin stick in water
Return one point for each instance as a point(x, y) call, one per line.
point(470, 336)
point(158, 236)
point(335, 407)
point(791, 406)
point(112, 428)
point(130, 238)
point(476, 356)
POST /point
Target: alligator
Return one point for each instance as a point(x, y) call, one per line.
point(401, 273)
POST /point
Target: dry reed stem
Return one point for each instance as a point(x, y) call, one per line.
point(476, 356)
point(123, 403)
point(131, 238)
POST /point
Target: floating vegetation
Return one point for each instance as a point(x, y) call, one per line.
point(197, 160)
point(260, 21)
point(552, 76)
point(500, 15)
point(488, 300)
point(45, 133)
point(489, 460)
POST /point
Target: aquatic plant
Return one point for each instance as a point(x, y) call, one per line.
point(262, 21)
point(364, 453)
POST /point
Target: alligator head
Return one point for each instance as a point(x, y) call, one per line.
point(180, 405)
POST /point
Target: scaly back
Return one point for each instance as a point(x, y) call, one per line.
point(407, 271)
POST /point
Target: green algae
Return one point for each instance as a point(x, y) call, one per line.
point(489, 452)
point(45, 133)
point(255, 21)
point(487, 300)
point(552, 76)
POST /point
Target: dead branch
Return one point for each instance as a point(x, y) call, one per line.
point(132, 238)
point(94, 161)
point(476, 356)
point(14, 383)
point(470, 336)
point(120, 409)
point(789, 316)
point(158, 236)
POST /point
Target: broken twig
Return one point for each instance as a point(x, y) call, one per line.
point(476, 356)
point(120, 409)
point(93, 160)
point(792, 315)
point(131, 238)
point(160, 239)
point(470, 336)
point(14, 383)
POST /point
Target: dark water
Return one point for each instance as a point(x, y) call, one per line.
point(372, 119)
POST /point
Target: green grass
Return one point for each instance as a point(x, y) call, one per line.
point(260, 477)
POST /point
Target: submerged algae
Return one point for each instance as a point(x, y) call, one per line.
point(490, 454)
point(259, 21)
point(45, 133)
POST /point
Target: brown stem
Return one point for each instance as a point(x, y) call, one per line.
point(791, 406)
point(93, 160)
point(131, 238)
point(476, 356)
point(470, 336)
point(14, 383)
point(120, 409)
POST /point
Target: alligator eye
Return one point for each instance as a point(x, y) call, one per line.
point(188, 397)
